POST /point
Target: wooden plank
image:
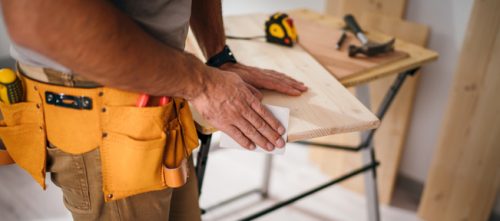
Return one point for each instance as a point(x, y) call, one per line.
point(390, 138)
point(390, 8)
point(465, 172)
point(313, 37)
point(326, 108)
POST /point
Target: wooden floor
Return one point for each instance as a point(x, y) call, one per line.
point(21, 199)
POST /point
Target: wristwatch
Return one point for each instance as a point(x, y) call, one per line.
point(221, 58)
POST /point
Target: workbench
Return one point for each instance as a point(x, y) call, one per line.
point(339, 111)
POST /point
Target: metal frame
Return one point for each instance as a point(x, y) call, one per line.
point(369, 159)
point(202, 159)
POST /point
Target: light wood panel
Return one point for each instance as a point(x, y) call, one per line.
point(326, 108)
point(390, 8)
point(390, 137)
point(465, 173)
point(313, 37)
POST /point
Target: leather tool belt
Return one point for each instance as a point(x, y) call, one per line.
point(142, 148)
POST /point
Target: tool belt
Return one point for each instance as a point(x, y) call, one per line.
point(142, 148)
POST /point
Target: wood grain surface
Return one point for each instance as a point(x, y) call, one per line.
point(390, 8)
point(320, 41)
point(326, 109)
point(464, 176)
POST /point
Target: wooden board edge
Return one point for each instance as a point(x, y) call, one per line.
point(305, 135)
point(349, 82)
point(331, 131)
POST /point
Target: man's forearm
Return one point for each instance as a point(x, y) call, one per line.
point(207, 25)
point(97, 41)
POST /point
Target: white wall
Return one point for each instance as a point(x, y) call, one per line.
point(230, 7)
point(4, 40)
point(448, 21)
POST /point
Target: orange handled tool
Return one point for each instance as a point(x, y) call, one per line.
point(144, 99)
point(164, 100)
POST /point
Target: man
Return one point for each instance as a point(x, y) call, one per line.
point(137, 46)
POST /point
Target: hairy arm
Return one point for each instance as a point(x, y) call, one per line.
point(97, 41)
point(207, 25)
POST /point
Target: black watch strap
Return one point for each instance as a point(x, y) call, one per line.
point(221, 58)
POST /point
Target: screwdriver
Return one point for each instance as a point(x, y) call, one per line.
point(341, 40)
point(144, 99)
point(11, 87)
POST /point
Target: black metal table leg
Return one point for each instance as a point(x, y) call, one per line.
point(201, 161)
point(307, 193)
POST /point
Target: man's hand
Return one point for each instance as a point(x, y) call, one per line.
point(266, 79)
point(229, 104)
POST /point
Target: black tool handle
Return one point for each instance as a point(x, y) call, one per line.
point(352, 24)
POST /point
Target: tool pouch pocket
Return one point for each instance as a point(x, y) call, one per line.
point(187, 125)
point(132, 149)
point(175, 165)
point(181, 140)
point(23, 134)
point(72, 130)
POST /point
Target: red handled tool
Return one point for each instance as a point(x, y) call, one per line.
point(164, 100)
point(144, 99)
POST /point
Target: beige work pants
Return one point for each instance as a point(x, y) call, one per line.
point(79, 177)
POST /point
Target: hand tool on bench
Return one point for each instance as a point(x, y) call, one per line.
point(281, 30)
point(341, 40)
point(368, 48)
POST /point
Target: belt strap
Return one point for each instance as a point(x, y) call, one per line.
point(50, 76)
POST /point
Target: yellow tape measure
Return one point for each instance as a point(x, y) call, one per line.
point(281, 30)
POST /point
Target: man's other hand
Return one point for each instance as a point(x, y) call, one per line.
point(232, 106)
point(266, 79)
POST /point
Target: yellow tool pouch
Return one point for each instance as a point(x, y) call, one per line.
point(142, 148)
point(23, 133)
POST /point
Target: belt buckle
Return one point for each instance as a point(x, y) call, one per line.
point(68, 101)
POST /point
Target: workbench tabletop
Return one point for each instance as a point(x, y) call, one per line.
point(327, 108)
point(418, 56)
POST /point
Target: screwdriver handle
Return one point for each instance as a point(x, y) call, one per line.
point(354, 26)
point(11, 87)
point(351, 22)
point(164, 100)
point(143, 100)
